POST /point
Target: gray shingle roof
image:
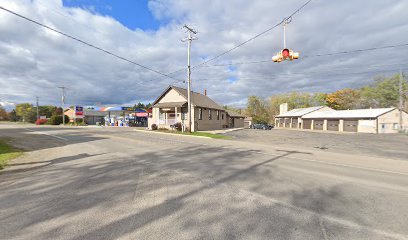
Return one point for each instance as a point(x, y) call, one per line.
point(298, 112)
point(233, 114)
point(171, 104)
point(197, 99)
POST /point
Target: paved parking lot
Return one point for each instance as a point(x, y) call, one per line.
point(393, 146)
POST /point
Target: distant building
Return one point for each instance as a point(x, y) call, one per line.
point(91, 117)
point(293, 118)
point(171, 107)
point(379, 120)
point(248, 122)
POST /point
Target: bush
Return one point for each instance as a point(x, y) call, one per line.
point(57, 120)
point(41, 121)
point(178, 127)
point(154, 127)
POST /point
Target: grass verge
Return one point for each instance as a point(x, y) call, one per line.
point(200, 134)
point(7, 153)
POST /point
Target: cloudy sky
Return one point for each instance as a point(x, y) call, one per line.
point(34, 61)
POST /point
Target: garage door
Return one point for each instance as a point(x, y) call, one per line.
point(294, 122)
point(287, 123)
point(318, 125)
point(333, 125)
point(307, 124)
point(350, 125)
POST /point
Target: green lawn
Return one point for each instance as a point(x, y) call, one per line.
point(200, 134)
point(7, 153)
point(204, 134)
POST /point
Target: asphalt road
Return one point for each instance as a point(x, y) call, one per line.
point(117, 183)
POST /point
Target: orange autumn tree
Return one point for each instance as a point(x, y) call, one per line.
point(343, 99)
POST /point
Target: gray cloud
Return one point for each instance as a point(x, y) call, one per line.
point(34, 61)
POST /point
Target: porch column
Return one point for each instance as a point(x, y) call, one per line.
point(175, 112)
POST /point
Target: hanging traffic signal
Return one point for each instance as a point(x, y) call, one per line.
point(285, 54)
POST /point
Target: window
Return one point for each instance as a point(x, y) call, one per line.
point(222, 116)
point(218, 115)
point(209, 114)
point(200, 114)
point(396, 126)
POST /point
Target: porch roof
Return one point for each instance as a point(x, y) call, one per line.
point(170, 104)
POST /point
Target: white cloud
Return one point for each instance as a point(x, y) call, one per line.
point(34, 61)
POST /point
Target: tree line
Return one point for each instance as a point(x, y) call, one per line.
point(26, 112)
point(383, 92)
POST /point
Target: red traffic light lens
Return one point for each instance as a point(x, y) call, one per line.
point(285, 53)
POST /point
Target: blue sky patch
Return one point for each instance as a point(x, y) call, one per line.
point(232, 79)
point(131, 13)
point(232, 68)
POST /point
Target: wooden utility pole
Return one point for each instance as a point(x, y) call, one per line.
point(189, 39)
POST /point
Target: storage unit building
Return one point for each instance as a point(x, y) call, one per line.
point(380, 120)
point(293, 118)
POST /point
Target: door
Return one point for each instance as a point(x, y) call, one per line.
point(318, 125)
point(287, 122)
point(350, 125)
point(294, 123)
point(333, 125)
point(307, 124)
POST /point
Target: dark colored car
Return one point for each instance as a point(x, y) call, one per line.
point(261, 126)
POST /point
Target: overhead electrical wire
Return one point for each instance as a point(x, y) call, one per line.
point(316, 55)
point(254, 37)
point(86, 43)
point(325, 73)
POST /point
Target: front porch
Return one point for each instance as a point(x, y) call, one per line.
point(170, 114)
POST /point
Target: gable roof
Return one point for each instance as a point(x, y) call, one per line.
point(197, 99)
point(234, 114)
point(298, 112)
point(357, 113)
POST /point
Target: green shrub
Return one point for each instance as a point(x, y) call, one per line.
point(57, 120)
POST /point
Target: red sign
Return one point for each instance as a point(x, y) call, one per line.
point(142, 114)
point(79, 111)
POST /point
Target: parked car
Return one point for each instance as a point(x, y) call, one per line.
point(261, 126)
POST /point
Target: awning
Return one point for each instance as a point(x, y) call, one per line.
point(169, 104)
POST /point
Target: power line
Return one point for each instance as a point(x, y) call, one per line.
point(275, 76)
point(86, 43)
point(316, 55)
point(254, 37)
